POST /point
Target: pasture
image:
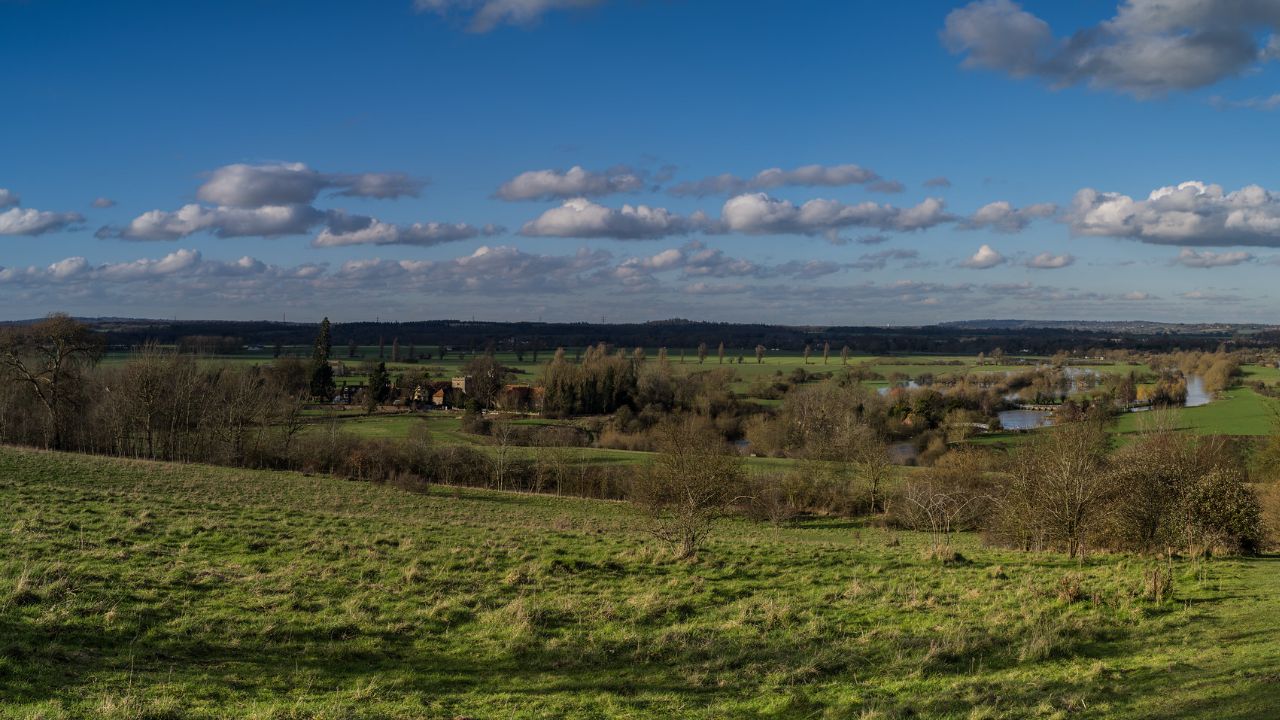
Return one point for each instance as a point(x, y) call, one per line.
point(143, 590)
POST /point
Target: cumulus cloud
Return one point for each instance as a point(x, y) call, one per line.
point(696, 260)
point(1206, 259)
point(266, 221)
point(1149, 48)
point(262, 200)
point(253, 186)
point(103, 202)
point(804, 176)
point(494, 270)
point(344, 229)
point(27, 221)
point(985, 258)
point(175, 262)
point(1002, 216)
point(1049, 261)
point(571, 183)
point(581, 218)
point(937, 182)
point(759, 214)
point(9, 198)
point(1192, 213)
point(485, 15)
point(184, 263)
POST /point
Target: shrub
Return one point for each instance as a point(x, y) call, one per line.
point(692, 480)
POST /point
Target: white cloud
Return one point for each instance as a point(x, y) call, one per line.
point(1049, 261)
point(68, 268)
point(1207, 259)
point(266, 221)
point(487, 14)
point(571, 183)
point(175, 262)
point(9, 198)
point(804, 176)
point(581, 218)
point(103, 203)
point(492, 270)
point(695, 260)
point(759, 214)
point(1149, 48)
point(937, 182)
point(262, 200)
point(985, 258)
point(1137, 296)
point(1192, 213)
point(27, 221)
point(1002, 216)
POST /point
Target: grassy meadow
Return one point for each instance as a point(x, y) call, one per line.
point(145, 590)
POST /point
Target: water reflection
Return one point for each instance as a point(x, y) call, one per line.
point(1196, 394)
point(1025, 419)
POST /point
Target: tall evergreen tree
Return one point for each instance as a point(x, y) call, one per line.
point(379, 388)
point(322, 385)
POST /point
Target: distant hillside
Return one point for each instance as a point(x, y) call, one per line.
point(1120, 326)
point(968, 337)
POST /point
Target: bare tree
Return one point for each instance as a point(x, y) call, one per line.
point(50, 356)
point(1058, 490)
point(691, 481)
point(954, 495)
point(503, 433)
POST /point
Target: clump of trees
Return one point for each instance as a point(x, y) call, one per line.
point(602, 382)
point(1166, 492)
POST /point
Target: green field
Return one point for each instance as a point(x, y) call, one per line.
point(1239, 411)
point(145, 590)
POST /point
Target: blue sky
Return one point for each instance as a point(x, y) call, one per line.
point(349, 159)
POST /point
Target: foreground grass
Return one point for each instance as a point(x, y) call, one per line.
point(134, 590)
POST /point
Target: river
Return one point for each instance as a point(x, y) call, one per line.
point(1032, 419)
